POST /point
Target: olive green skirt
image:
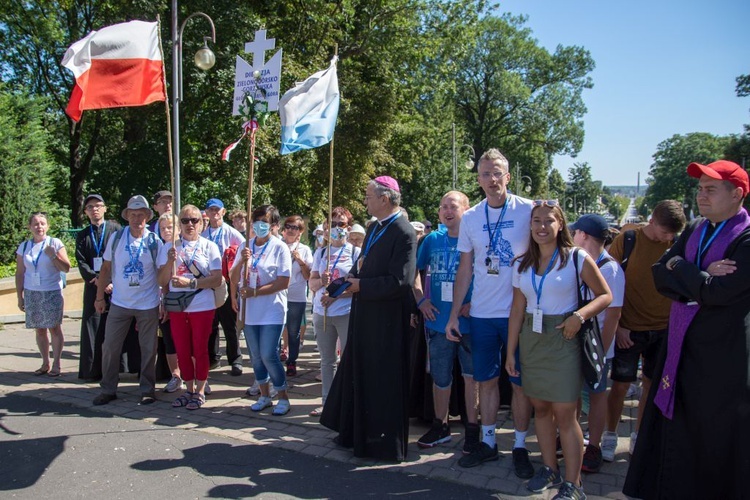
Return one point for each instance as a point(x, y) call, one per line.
point(550, 364)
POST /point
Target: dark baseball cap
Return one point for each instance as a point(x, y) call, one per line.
point(161, 194)
point(592, 224)
point(92, 196)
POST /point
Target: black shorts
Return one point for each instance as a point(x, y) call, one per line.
point(625, 363)
point(166, 334)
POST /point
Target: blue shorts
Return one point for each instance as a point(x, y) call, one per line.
point(443, 352)
point(489, 336)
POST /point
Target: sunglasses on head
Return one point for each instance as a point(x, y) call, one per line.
point(339, 224)
point(291, 227)
point(549, 203)
point(190, 220)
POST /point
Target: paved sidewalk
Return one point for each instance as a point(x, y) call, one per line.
point(227, 414)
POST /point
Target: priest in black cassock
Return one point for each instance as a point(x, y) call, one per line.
point(694, 440)
point(90, 245)
point(368, 401)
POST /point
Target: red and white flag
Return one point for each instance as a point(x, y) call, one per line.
point(116, 66)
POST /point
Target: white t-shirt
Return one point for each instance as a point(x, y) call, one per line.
point(297, 283)
point(49, 276)
point(493, 293)
point(559, 294)
point(224, 236)
point(270, 261)
point(615, 278)
point(342, 260)
point(134, 284)
point(202, 256)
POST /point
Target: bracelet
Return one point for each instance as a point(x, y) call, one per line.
point(579, 316)
point(421, 301)
point(100, 300)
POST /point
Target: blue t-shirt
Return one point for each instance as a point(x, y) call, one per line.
point(438, 250)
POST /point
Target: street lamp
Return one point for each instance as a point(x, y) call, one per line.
point(519, 178)
point(469, 161)
point(205, 60)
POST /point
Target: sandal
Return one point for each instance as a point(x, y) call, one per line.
point(55, 372)
point(317, 412)
point(197, 401)
point(42, 371)
point(183, 400)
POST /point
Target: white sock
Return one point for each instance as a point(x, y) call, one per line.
point(520, 439)
point(488, 435)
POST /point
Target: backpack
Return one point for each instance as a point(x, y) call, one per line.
point(63, 276)
point(153, 246)
point(227, 260)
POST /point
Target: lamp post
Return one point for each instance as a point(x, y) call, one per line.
point(205, 60)
point(454, 164)
point(520, 178)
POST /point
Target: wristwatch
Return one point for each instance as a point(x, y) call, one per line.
point(193, 283)
point(673, 261)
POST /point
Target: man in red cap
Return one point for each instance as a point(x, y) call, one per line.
point(694, 440)
point(368, 400)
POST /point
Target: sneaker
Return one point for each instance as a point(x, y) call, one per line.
point(522, 464)
point(569, 491)
point(236, 370)
point(214, 364)
point(482, 454)
point(586, 437)
point(207, 389)
point(253, 390)
point(291, 370)
point(544, 478)
point(471, 438)
point(592, 459)
point(262, 403)
point(103, 399)
point(174, 385)
point(281, 408)
point(633, 438)
point(609, 446)
point(439, 433)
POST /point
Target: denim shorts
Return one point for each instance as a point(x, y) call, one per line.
point(443, 353)
point(489, 336)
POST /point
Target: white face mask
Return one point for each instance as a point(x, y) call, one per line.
point(339, 233)
point(320, 239)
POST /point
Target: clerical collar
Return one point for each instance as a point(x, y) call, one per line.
point(385, 221)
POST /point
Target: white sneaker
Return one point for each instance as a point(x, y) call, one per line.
point(207, 389)
point(609, 446)
point(254, 390)
point(174, 385)
point(633, 438)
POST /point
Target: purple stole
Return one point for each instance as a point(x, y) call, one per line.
point(681, 314)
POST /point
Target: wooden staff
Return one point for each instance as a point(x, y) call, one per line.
point(250, 181)
point(330, 206)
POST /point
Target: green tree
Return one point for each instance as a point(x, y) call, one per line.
point(557, 185)
point(25, 167)
point(668, 179)
point(583, 192)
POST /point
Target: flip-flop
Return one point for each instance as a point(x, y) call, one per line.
point(42, 370)
point(53, 373)
point(317, 412)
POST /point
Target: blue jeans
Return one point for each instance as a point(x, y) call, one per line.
point(294, 315)
point(443, 353)
point(263, 344)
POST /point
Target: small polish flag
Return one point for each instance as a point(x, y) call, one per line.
point(116, 66)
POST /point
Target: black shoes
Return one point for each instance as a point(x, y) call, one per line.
point(439, 433)
point(236, 369)
point(103, 399)
point(471, 438)
point(147, 399)
point(483, 453)
point(522, 464)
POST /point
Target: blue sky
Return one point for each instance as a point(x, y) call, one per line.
point(663, 67)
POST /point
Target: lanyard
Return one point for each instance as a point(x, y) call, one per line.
point(373, 238)
point(262, 250)
point(337, 258)
point(192, 257)
point(98, 246)
point(541, 283)
point(215, 239)
point(599, 259)
point(41, 251)
point(449, 252)
point(494, 235)
point(134, 258)
point(702, 249)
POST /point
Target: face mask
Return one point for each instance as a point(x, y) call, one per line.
point(338, 233)
point(261, 228)
point(320, 239)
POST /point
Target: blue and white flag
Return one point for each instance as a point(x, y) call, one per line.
point(308, 112)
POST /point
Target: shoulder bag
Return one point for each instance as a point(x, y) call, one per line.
point(593, 357)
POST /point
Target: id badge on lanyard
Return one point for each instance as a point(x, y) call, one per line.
point(98, 264)
point(537, 325)
point(253, 283)
point(446, 291)
point(36, 279)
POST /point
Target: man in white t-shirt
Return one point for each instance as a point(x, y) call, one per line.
point(130, 265)
point(224, 235)
point(492, 234)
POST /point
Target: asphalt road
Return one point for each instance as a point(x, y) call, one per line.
point(52, 450)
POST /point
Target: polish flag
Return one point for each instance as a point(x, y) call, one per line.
point(116, 66)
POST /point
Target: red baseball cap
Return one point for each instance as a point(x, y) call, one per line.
point(722, 170)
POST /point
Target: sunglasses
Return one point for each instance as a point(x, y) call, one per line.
point(549, 203)
point(291, 227)
point(190, 220)
point(339, 224)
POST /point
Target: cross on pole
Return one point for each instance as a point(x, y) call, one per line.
point(258, 48)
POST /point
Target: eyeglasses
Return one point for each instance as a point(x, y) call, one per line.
point(95, 207)
point(549, 203)
point(339, 224)
point(291, 227)
point(190, 220)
